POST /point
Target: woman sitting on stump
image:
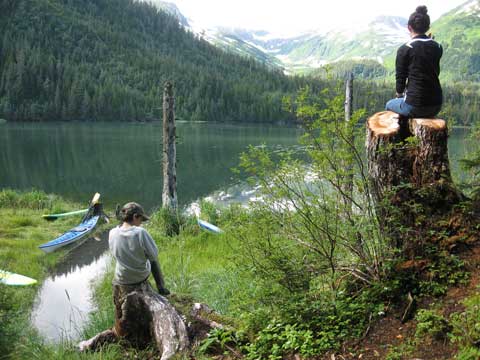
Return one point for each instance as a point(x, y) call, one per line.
point(419, 93)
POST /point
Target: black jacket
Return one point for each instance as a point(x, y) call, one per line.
point(417, 70)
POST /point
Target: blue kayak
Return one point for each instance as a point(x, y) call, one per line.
point(72, 235)
point(210, 227)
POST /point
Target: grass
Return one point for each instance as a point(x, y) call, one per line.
point(196, 264)
point(22, 229)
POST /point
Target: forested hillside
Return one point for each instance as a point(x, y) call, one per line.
point(108, 60)
point(459, 33)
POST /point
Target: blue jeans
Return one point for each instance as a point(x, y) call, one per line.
point(399, 106)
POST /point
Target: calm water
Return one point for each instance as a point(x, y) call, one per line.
point(64, 300)
point(123, 161)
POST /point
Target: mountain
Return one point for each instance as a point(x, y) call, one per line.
point(238, 42)
point(459, 33)
point(108, 60)
point(368, 50)
point(374, 41)
point(171, 9)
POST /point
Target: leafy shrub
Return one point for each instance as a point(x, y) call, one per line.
point(431, 324)
point(401, 351)
point(168, 222)
point(278, 340)
point(469, 353)
point(218, 340)
point(466, 325)
point(209, 212)
point(314, 324)
point(445, 270)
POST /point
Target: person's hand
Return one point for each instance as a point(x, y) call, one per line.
point(163, 291)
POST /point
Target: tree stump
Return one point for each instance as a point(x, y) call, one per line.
point(389, 161)
point(410, 174)
point(148, 318)
point(431, 161)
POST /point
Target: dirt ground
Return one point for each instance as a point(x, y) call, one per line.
point(389, 331)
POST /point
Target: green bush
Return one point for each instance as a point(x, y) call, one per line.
point(218, 340)
point(313, 324)
point(466, 325)
point(168, 222)
point(431, 324)
point(445, 270)
point(6, 318)
point(468, 353)
point(278, 340)
point(209, 212)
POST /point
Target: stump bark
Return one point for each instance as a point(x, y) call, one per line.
point(144, 318)
point(147, 318)
point(393, 160)
point(410, 175)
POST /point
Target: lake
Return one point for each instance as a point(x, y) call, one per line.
point(123, 161)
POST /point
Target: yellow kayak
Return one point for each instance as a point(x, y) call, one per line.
point(9, 278)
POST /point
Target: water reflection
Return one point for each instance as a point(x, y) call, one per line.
point(123, 161)
point(64, 300)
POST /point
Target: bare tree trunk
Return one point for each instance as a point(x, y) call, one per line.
point(348, 188)
point(349, 98)
point(169, 195)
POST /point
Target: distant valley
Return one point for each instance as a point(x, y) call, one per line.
point(458, 31)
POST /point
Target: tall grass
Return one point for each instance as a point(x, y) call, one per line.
point(22, 229)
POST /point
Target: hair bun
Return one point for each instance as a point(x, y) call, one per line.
point(422, 10)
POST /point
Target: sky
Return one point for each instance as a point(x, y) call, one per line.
point(296, 16)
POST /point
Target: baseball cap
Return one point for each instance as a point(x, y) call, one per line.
point(132, 208)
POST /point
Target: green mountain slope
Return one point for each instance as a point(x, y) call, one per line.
point(459, 33)
point(108, 60)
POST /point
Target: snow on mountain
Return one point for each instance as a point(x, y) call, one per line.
point(311, 49)
point(374, 40)
point(469, 8)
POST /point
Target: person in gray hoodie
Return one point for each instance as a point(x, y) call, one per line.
point(136, 257)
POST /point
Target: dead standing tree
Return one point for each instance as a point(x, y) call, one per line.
point(410, 175)
point(148, 318)
point(169, 194)
point(348, 188)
